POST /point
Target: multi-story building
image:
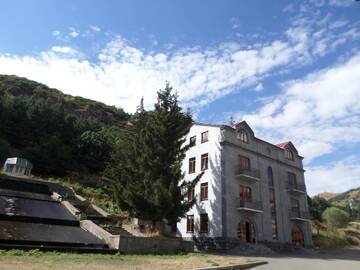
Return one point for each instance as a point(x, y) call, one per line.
point(251, 190)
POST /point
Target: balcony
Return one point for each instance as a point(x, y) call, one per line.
point(296, 188)
point(250, 206)
point(248, 174)
point(296, 214)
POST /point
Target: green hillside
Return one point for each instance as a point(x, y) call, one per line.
point(59, 133)
point(349, 201)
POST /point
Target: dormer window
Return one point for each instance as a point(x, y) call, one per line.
point(243, 136)
point(289, 154)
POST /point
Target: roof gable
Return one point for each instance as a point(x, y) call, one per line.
point(288, 145)
point(245, 126)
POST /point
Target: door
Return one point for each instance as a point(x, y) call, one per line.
point(297, 236)
point(246, 231)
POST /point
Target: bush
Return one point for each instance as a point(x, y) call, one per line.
point(335, 218)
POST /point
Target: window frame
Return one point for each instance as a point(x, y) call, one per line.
point(245, 193)
point(204, 220)
point(204, 157)
point(192, 165)
point(192, 141)
point(289, 154)
point(292, 181)
point(204, 191)
point(203, 138)
point(270, 174)
point(244, 160)
point(191, 194)
point(190, 223)
point(243, 136)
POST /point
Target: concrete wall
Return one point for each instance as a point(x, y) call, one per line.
point(147, 245)
point(138, 245)
point(262, 155)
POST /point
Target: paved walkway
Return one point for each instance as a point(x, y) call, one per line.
point(344, 259)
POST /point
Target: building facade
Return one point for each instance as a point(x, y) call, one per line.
point(18, 166)
point(251, 190)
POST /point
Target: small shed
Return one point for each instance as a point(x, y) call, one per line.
point(19, 166)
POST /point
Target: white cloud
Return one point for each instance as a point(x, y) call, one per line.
point(125, 73)
point(259, 87)
point(55, 33)
point(74, 34)
point(64, 50)
point(95, 28)
point(337, 177)
point(317, 112)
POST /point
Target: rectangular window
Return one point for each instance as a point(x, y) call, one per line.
point(274, 228)
point(295, 206)
point(245, 194)
point(244, 163)
point(204, 136)
point(204, 162)
point(192, 165)
point(273, 213)
point(292, 179)
point(190, 223)
point(203, 191)
point(204, 223)
point(193, 141)
point(191, 194)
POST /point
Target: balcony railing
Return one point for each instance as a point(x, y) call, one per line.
point(295, 213)
point(254, 206)
point(253, 174)
point(296, 187)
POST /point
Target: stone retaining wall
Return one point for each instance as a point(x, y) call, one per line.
point(148, 245)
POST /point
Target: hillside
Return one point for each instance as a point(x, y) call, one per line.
point(349, 201)
point(327, 195)
point(59, 133)
point(14, 86)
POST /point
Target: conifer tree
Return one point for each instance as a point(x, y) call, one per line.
point(145, 174)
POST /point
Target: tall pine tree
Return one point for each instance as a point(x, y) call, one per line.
point(145, 173)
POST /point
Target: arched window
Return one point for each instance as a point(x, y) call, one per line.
point(243, 136)
point(289, 155)
point(270, 176)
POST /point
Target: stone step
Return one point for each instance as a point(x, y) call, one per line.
point(84, 249)
point(13, 183)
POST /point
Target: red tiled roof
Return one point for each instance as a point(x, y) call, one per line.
point(282, 145)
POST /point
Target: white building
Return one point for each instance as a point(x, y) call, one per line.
point(251, 191)
point(18, 166)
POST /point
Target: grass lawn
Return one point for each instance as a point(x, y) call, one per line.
point(36, 260)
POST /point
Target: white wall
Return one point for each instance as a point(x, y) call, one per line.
point(212, 176)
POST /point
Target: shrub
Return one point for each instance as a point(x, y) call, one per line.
point(335, 218)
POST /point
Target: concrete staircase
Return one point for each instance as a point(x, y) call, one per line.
point(31, 218)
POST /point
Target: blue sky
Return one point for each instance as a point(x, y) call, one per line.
point(291, 69)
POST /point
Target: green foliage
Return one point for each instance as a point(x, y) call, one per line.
point(332, 239)
point(57, 132)
point(145, 171)
point(350, 202)
point(335, 218)
point(317, 206)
